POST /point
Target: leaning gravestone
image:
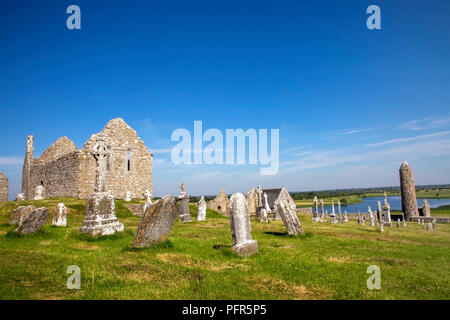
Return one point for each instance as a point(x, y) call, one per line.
point(60, 215)
point(243, 244)
point(201, 209)
point(33, 222)
point(289, 218)
point(100, 218)
point(185, 215)
point(156, 223)
point(20, 214)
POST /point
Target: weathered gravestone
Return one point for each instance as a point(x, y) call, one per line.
point(20, 197)
point(20, 214)
point(39, 193)
point(127, 196)
point(201, 209)
point(156, 223)
point(148, 200)
point(263, 216)
point(33, 221)
point(60, 215)
point(243, 244)
point(426, 208)
point(289, 217)
point(430, 226)
point(185, 215)
point(100, 218)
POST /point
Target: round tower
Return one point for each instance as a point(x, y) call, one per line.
point(408, 191)
point(26, 172)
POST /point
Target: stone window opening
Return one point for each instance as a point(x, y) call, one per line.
point(129, 160)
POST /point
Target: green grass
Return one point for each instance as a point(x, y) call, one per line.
point(328, 262)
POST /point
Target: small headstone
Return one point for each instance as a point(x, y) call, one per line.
point(60, 215)
point(33, 222)
point(127, 196)
point(20, 197)
point(398, 222)
point(289, 218)
point(430, 226)
point(39, 193)
point(156, 223)
point(19, 214)
point(423, 223)
point(434, 223)
point(201, 209)
point(243, 244)
point(263, 217)
point(185, 215)
point(345, 217)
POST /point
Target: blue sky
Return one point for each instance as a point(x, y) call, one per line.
point(350, 103)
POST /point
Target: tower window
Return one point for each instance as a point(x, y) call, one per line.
point(128, 160)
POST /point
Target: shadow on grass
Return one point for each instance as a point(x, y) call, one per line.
point(40, 233)
point(158, 246)
point(76, 234)
point(286, 235)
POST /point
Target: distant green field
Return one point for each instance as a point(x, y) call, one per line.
point(328, 262)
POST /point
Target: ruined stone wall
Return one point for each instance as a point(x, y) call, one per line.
point(123, 144)
point(4, 185)
point(59, 177)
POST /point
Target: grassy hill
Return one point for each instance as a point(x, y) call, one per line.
point(328, 262)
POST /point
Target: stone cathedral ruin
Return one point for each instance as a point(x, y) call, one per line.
point(63, 170)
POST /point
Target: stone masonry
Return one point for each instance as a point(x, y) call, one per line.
point(4, 185)
point(221, 203)
point(408, 191)
point(66, 171)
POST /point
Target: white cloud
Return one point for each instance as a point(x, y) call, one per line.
point(424, 124)
point(11, 161)
point(440, 133)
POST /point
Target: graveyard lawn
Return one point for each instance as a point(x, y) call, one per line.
point(328, 262)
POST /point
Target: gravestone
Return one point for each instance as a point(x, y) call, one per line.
point(148, 200)
point(387, 211)
point(185, 215)
point(20, 214)
point(434, 223)
point(266, 204)
point(60, 215)
point(127, 196)
point(39, 193)
point(289, 217)
point(243, 244)
point(398, 222)
point(100, 218)
point(339, 210)
point(156, 223)
point(426, 208)
point(263, 216)
point(201, 209)
point(20, 197)
point(359, 217)
point(430, 226)
point(316, 208)
point(33, 221)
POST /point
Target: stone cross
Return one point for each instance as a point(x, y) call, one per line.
point(182, 187)
point(380, 212)
point(333, 213)
point(259, 192)
point(266, 204)
point(100, 152)
point(321, 205)
point(241, 234)
point(60, 215)
point(148, 200)
point(39, 193)
point(201, 209)
point(316, 206)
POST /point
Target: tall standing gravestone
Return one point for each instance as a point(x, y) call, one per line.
point(243, 244)
point(201, 209)
point(156, 223)
point(100, 218)
point(185, 215)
